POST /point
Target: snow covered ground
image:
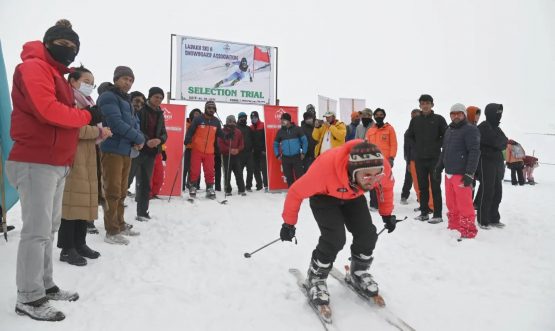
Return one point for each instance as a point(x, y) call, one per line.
point(187, 271)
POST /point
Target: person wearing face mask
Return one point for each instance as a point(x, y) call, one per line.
point(308, 126)
point(290, 145)
point(153, 127)
point(491, 168)
point(127, 140)
point(230, 150)
point(352, 127)
point(365, 123)
point(45, 129)
point(80, 201)
point(246, 154)
point(426, 133)
point(259, 154)
point(329, 133)
point(459, 157)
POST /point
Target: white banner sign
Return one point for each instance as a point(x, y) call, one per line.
point(326, 104)
point(347, 106)
point(224, 71)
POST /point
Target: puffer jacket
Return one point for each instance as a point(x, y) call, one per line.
point(385, 138)
point(338, 132)
point(461, 149)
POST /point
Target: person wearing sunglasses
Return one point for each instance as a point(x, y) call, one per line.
point(335, 184)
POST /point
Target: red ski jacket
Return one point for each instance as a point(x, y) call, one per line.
point(328, 176)
point(45, 125)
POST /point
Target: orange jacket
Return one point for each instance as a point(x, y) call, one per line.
point(328, 176)
point(385, 138)
point(202, 134)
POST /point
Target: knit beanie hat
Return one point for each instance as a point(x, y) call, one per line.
point(121, 71)
point(230, 119)
point(242, 114)
point(286, 116)
point(61, 30)
point(254, 113)
point(209, 103)
point(310, 107)
point(364, 156)
point(458, 108)
point(155, 90)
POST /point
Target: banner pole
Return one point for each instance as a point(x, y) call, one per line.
point(171, 67)
point(276, 97)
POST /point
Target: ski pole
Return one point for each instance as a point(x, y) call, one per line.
point(175, 178)
point(397, 221)
point(248, 255)
point(3, 197)
point(228, 171)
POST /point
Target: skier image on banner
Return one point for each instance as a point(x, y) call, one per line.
point(239, 74)
point(336, 183)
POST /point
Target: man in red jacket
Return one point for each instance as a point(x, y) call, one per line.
point(45, 127)
point(336, 183)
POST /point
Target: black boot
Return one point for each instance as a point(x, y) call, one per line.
point(360, 275)
point(87, 252)
point(72, 257)
point(316, 282)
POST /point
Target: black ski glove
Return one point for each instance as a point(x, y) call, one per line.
point(390, 222)
point(467, 180)
point(287, 232)
point(96, 114)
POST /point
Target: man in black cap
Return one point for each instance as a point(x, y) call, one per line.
point(259, 154)
point(151, 119)
point(45, 128)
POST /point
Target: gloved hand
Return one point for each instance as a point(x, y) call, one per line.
point(390, 222)
point(391, 161)
point(287, 232)
point(467, 180)
point(96, 114)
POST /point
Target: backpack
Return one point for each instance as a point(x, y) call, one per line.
point(518, 151)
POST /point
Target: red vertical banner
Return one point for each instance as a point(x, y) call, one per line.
point(272, 123)
point(174, 117)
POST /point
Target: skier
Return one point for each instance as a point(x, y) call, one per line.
point(336, 183)
point(238, 75)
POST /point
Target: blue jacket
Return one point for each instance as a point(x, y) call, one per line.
point(461, 149)
point(118, 116)
point(292, 140)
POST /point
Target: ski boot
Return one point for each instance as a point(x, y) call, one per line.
point(360, 276)
point(192, 191)
point(218, 84)
point(316, 285)
point(210, 193)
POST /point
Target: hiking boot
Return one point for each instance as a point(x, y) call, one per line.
point(87, 252)
point(143, 218)
point(243, 194)
point(210, 193)
point(361, 278)
point(316, 285)
point(72, 257)
point(192, 191)
point(498, 225)
point(484, 226)
point(422, 217)
point(404, 201)
point(54, 293)
point(39, 310)
point(130, 233)
point(436, 220)
point(116, 239)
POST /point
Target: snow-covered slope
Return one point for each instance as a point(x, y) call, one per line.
point(187, 271)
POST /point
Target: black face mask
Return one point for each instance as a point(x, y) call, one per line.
point(243, 121)
point(379, 121)
point(355, 122)
point(62, 54)
point(366, 121)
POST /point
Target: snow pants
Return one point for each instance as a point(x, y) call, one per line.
point(460, 210)
point(333, 216)
point(490, 192)
point(292, 168)
point(207, 162)
point(40, 188)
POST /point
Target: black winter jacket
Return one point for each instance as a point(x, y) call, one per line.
point(492, 139)
point(311, 142)
point(161, 132)
point(426, 132)
point(461, 149)
point(247, 133)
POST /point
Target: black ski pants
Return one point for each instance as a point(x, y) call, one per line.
point(517, 171)
point(217, 171)
point(333, 215)
point(144, 165)
point(292, 168)
point(490, 192)
point(246, 160)
point(72, 234)
point(260, 171)
point(425, 173)
point(233, 164)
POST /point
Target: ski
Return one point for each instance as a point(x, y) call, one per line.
point(374, 302)
point(323, 312)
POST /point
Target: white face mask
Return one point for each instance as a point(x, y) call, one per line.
point(86, 89)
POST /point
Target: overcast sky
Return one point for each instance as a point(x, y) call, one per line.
point(387, 52)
